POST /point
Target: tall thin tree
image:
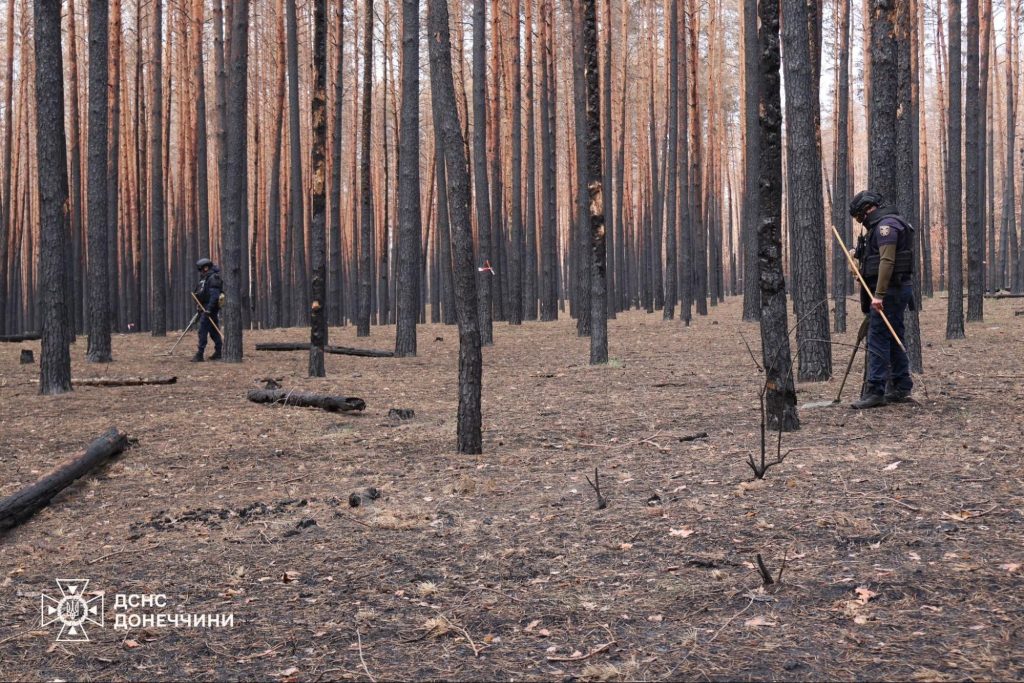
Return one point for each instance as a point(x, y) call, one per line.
point(51, 154)
point(446, 125)
point(157, 242)
point(99, 308)
point(409, 221)
point(318, 217)
point(481, 192)
point(954, 185)
point(779, 389)
point(599, 290)
point(366, 186)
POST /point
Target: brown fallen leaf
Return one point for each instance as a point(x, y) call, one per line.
point(1010, 566)
point(131, 644)
point(758, 622)
point(682, 533)
point(864, 595)
point(289, 576)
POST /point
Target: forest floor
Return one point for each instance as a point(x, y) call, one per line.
point(898, 532)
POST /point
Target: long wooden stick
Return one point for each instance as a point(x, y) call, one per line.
point(203, 309)
point(856, 271)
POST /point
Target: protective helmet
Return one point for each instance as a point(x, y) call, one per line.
point(203, 263)
point(863, 200)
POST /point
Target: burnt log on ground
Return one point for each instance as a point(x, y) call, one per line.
point(341, 350)
point(19, 506)
point(306, 399)
point(120, 381)
point(28, 336)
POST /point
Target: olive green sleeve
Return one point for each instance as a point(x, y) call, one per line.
point(886, 263)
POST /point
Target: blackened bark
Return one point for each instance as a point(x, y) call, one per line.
point(336, 307)
point(115, 294)
point(751, 161)
point(598, 292)
point(51, 153)
point(481, 192)
point(277, 302)
point(1008, 243)
point(607, 178)
point(318, 217)
point(954, 185)
point(973, 158)
point(409, 184)
point(444, 243)
point(78, 285)
point(202, 168)
point(841, 173)
point(446, 124)
point(157, 244)
point(99, 268)
point(5, 191)
point(530, 261)
point(234, 197)
point(814, 351)
point(583, 249)
point(515, 260)
point(672, 178)
point(698, 229)
point(549, 219)
point(780, 392)
point(296, 213)
point(657, 205)
point(366, 208)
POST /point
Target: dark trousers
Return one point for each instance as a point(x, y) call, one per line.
point(206, 329)
point(887, 362)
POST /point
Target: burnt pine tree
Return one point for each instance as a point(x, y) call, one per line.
point(954, 185)
point(807, 220)
point(599, 289)
point(751, 162)
point(446, 125)
point(481, 193)
point(780, 392)
point(841, 173)
point(99, 268)
point(296, 212)
point(318, 217)
point(515, 259)
point(366, 208)
point(51, 152)
point(157, 244)
point(582, 227)
point(409, 184)
point(336, 311)
point(974, 153)
point(234, 196)
point(672, 182)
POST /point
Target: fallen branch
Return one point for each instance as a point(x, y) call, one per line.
point(306, 399)
point(28, 336)
point(122, 381)
point(341, 350)
point(19, 506)
point(766, 576)
point(694, 437)
point(579, 658)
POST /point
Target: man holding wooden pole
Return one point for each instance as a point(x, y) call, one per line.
point(207, 296)
point(886, 271)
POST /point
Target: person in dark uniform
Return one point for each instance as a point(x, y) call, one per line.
point(886, 254)
point(208, 292)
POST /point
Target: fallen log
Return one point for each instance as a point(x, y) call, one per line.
point(28, 336)
point(1004, 295)
point(306, 399)
point(119, 381)
point(19, 506)
point(341, 350)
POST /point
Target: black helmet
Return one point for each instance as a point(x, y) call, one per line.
point(204, 263)
point(863, 200)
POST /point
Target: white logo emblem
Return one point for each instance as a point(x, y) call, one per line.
point(884, 230)
point(72, 610)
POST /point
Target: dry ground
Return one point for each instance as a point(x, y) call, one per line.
point(901, 530)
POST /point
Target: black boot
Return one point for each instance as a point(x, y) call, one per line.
point(198, 358)
point(898, 396)
point(869, 400)
point(216, 355)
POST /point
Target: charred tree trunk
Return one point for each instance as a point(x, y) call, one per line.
point(157, 244)
point(515, 259)
point(234, 197)
point(814, 351)
point(595, 185)
point(366, 209)
point(974, 153)
point(51, 153)
point(318, 217)
point(481, 192)
point(584, 262)
point(409, 227)
point(779, 390)
point(841, 173)
point(672, 165)
point(751, 161)
point(278, 317)
point(954, 185)
point(446, 124)
point(296, 210)
point(336, 312)
point(99, 268)
point(115, 292)
point(530, 262)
